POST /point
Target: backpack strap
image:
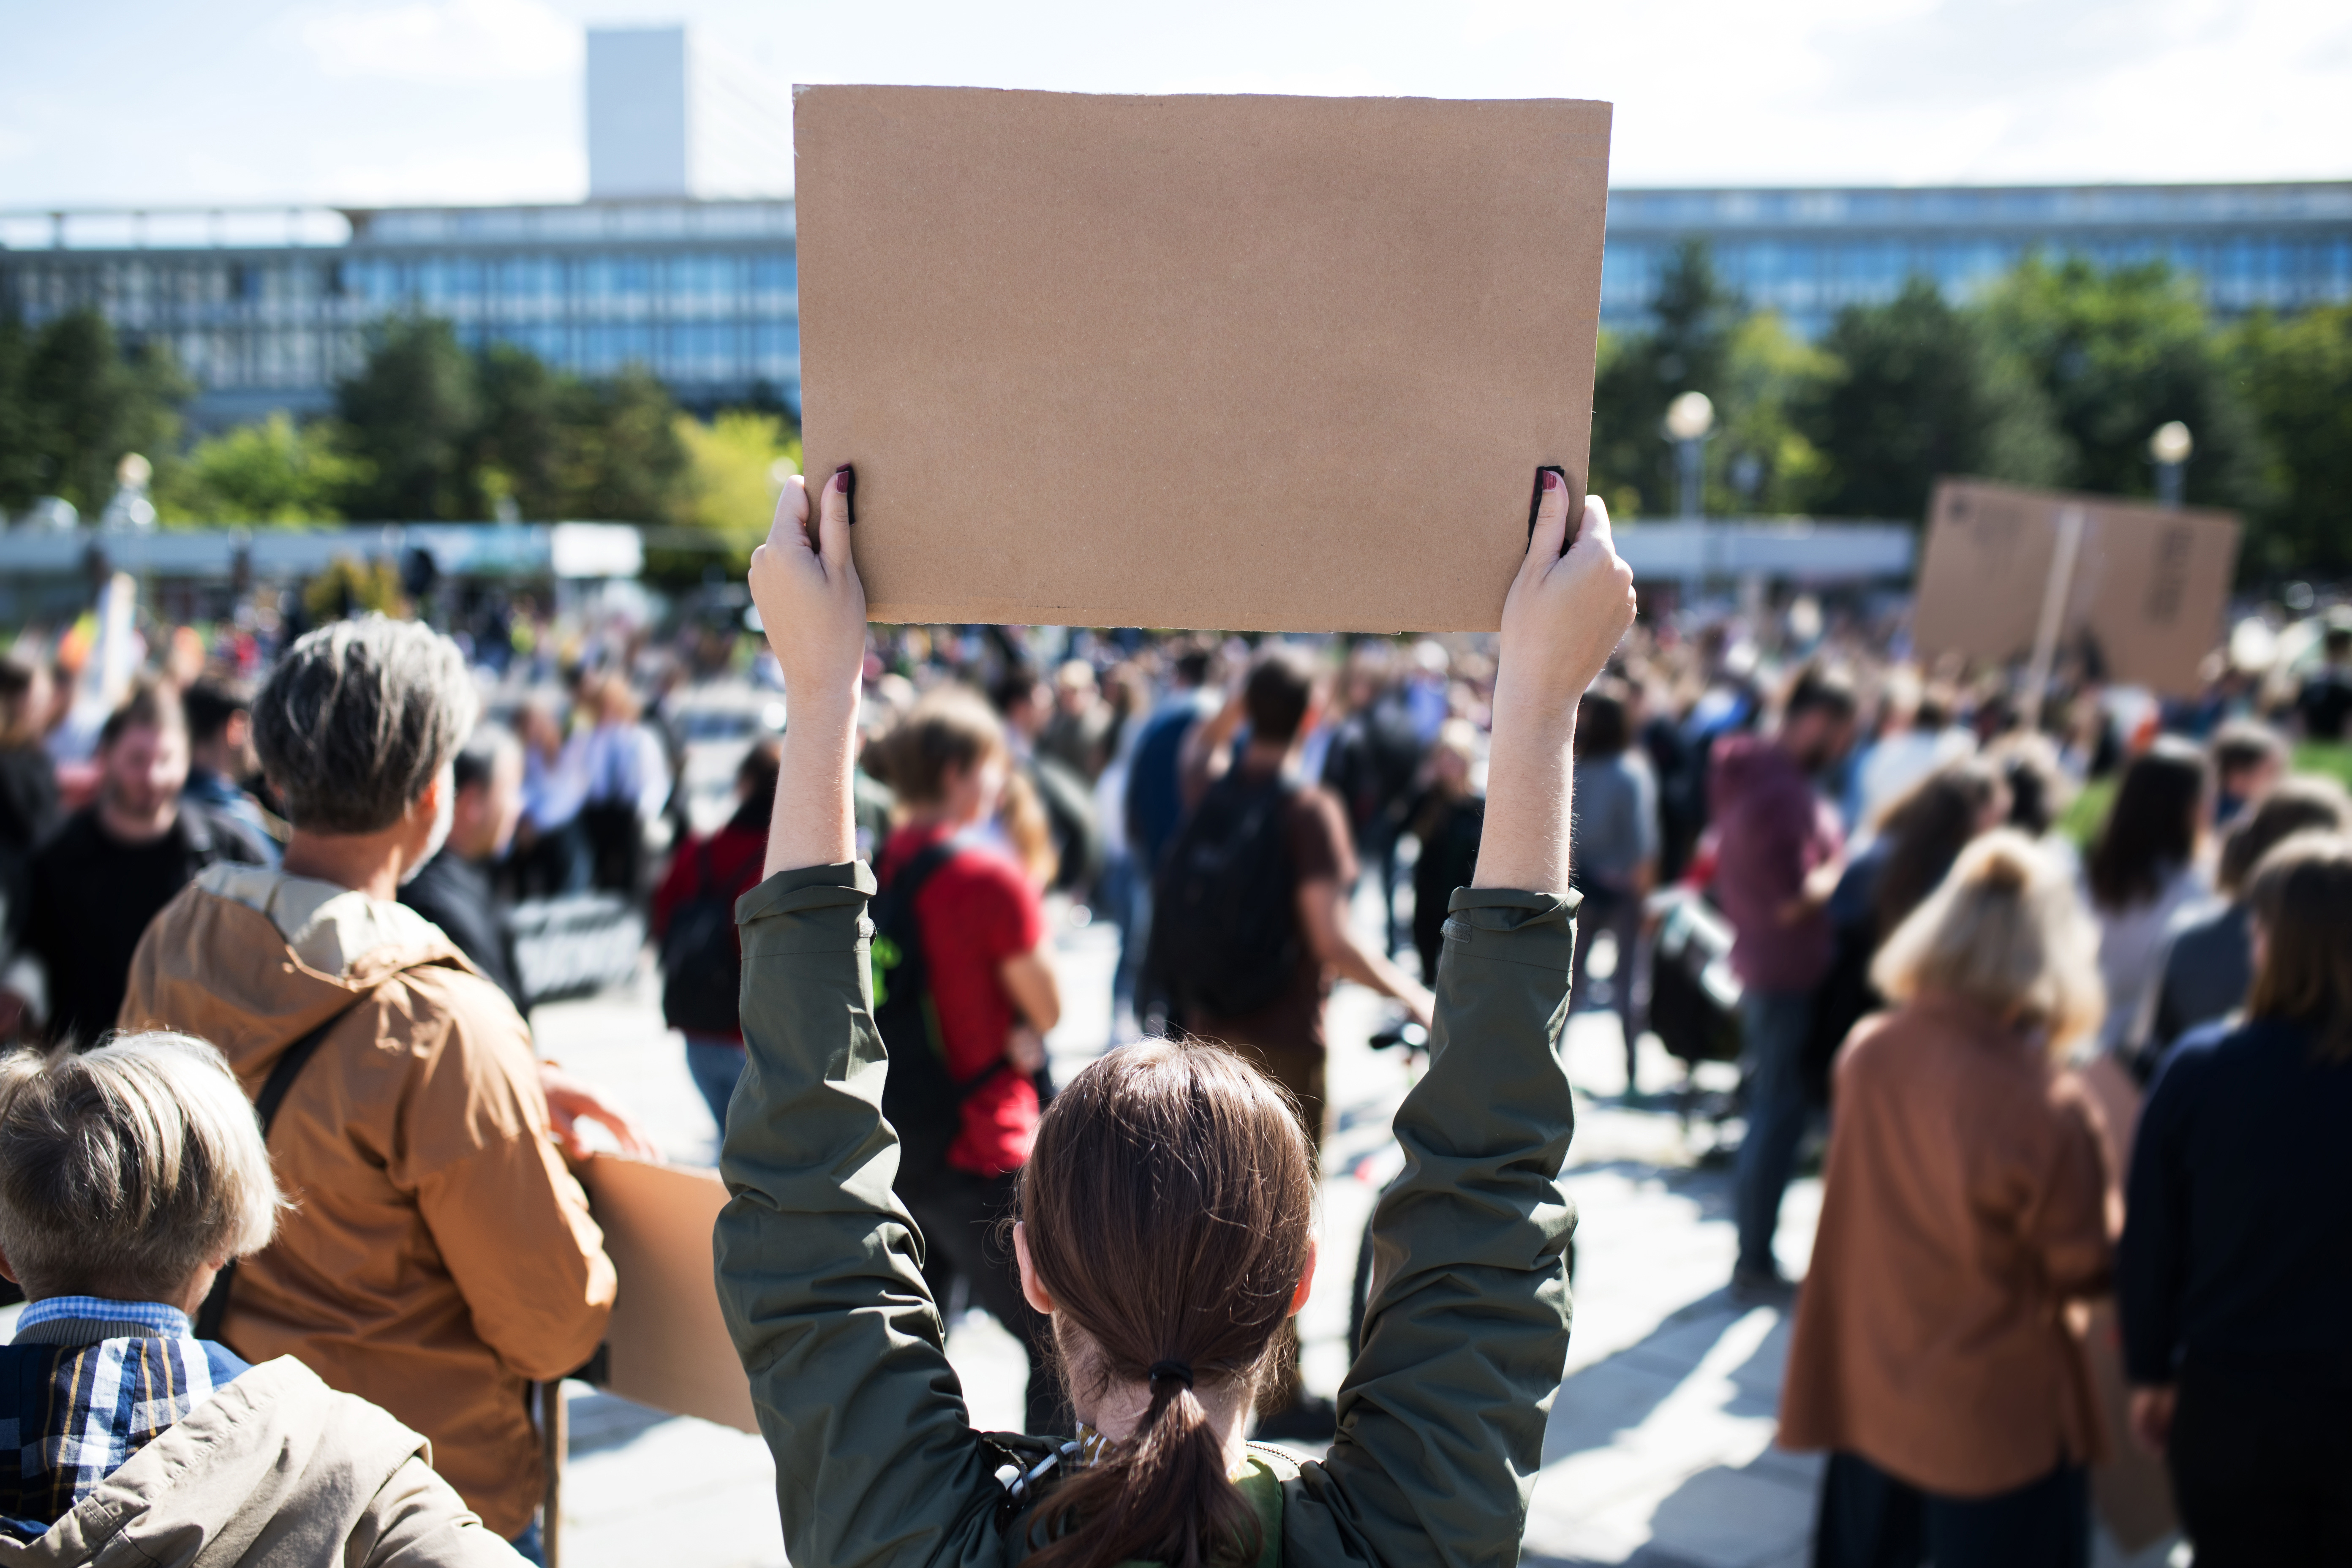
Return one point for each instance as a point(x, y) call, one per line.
point(907, 882)
point(282, 1074)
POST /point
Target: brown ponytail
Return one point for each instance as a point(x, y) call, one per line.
point(1166, 1211)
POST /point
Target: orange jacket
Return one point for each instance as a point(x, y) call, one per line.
point(1963, 1209)
point(439, 1255)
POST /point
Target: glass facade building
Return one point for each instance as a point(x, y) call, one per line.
point(266, 308)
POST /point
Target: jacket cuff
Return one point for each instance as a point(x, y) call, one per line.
point(1514, 925)
point(807, 889)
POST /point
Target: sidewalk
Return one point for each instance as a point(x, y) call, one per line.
point(1659, 1447)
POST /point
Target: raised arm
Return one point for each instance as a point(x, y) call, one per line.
point(1441, 1417)
point(819, 1272)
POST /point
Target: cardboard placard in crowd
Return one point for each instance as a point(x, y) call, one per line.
point(1243, 363)
point(667, 1346)
point(2146, 599)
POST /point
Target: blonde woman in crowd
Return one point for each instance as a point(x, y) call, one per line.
point(1964, 1207)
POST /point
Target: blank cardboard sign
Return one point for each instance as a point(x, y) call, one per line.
point(2146, 597)
point(669, 1347)
point(1256, 363)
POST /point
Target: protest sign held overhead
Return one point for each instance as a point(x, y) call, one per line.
point(1253, 362)
point(2136, 589)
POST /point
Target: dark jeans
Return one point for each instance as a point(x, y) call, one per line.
point(960, 1216)
point(715, 1063)
point(1618, 911)
point(2261, 1476)
point(1775, 1025)
point(531, 1546)
point(1870, 1520)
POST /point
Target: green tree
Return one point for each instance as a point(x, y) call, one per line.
point(517, 446)
point(411, 418)
point(623, 460)
point(274, 472)
point(2117, 352)
point(1687, 348)
point(1761, 459)
point(738, 462)
point(82, 401)
point(20, 469)
point(1918, 389)
point(2296, 373)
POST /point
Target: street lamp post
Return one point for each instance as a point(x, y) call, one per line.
point(2168, 448)
point(1689, 417)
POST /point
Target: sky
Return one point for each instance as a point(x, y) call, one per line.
point(109, 102)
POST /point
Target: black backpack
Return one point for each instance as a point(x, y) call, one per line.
point(921, 1100)
point(1225, 915)
point(702, 965)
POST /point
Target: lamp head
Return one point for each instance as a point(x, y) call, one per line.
point(2171, 443)
point(1690, 416)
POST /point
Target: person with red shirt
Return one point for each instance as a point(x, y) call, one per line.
point(707, 874)
point(981, 922)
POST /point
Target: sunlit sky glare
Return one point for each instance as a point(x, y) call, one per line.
point(364, 101)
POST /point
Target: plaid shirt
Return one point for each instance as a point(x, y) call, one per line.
point(88, 1383)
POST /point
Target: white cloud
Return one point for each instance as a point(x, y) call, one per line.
point(444, 41)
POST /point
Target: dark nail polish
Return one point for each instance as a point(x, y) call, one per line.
point(1551, 479)
point(846, 478)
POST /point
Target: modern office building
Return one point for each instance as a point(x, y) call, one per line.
point(266, 308)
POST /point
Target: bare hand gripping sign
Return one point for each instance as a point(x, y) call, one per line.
point(1257, 364)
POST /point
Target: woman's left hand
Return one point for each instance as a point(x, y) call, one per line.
point(812, 606)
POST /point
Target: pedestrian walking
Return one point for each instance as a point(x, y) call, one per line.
point(694, 925)
point(1963, 1209)
point(1616, 848)
point(2142, 873)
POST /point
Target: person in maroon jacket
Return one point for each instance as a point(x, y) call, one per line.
point(716, 869)
point(1778, 845)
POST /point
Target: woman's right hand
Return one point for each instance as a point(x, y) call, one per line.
point(1565, 613)
point(1562, 620)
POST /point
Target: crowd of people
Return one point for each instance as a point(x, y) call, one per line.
point(2053, 1066)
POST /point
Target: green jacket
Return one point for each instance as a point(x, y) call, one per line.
point(1442, 1418)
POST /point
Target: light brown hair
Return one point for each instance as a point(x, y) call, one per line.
point(950, 729)
point(2301, 897)
point(1166, 1209)
point(2006, 931)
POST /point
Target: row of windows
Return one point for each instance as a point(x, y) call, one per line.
point(2044, 206)
point(680, 284)
point(684, 353)
point(2239, 273)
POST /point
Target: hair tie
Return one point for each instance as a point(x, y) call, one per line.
point(1175, 1369)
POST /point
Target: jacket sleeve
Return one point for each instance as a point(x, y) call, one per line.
point(511, 1224)
point(1441, 1417)
point(417, 1520)
point(2151, 1262)
point(820, 1268)
point(2067, 1223)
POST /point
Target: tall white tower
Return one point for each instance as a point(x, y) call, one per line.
point(636, 112)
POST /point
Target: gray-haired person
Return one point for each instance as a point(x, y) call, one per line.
point(443, 1257)
point(128, 1177)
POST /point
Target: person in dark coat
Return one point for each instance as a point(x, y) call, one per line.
point(453, 889)
point(2236, 1259)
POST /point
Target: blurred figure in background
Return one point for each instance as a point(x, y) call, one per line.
point(694, 926)
point(2249, 757)
point(1917, 737)
point(29, 812)
point(99, 880)
point(2324, 704)
point(962, 979)
point(1615, 854)
point(1911, 849)
point(628, 779)
point(1448, 820)
point(1074, 736)
point(1778, 848)
point(221, 760)
point(1963, 1209)
point(2209, 956)
point(2237, 1253)
point(453, 889)
point(1045, 792)
point(2142, 872)
point(553, 856)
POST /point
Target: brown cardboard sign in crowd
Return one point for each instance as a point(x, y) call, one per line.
point(2146, 597)
point(1251, 363)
